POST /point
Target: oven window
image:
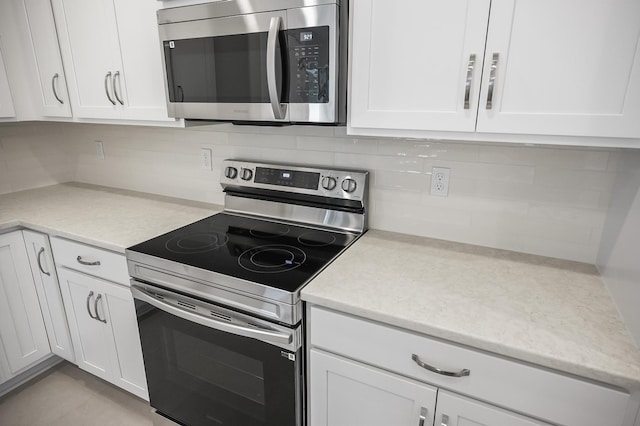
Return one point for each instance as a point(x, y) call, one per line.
point(223, 69)
point(201, 376)
point(228, 370)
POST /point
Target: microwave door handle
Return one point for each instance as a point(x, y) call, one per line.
point(272, 337)
point(279, 109)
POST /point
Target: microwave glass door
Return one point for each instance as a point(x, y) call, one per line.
point(223, 69)
point(202, 376)
point(223, 60)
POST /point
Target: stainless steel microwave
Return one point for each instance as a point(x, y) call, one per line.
point(256, 61)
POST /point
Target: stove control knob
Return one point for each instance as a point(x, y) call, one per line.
point(349, 185)
point(328, 183)
point(231, 172)
point(246, 174)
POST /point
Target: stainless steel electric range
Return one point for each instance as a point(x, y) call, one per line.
point(218, 301)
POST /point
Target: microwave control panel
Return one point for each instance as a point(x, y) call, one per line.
point(309, 61)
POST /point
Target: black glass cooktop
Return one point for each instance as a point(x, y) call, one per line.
point(279, 255)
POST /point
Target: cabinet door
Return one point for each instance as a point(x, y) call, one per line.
point(455, 410)
point(91, 337)
point(142, 83)
point(127, 364)
point(44, 42)
point(22, 329)
point(89, 44)
point(411, 61)
point(6, 102)
point(568, 67)
point(347, 393)
point(46, 280)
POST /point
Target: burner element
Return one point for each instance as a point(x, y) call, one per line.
point(316, 239)
point(196, 243)
point(269, 230)
point(271, 259)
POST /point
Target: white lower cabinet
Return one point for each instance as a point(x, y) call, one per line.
point(365, 373)
point(46, 282)
point(456, 410)
point(347, 393)
point(101, 313)
point(104, 330)
point(23, 337)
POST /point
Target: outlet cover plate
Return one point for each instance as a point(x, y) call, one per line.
point(440, 181)
point(205, 158)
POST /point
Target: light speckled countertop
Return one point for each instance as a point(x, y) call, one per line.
point(545, 311)
point(104, 217)
point(549, 312)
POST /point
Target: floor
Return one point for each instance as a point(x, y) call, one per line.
point(66, 395)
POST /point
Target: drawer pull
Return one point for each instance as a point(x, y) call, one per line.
point(84, 262)
point(423, 416)
point(461, 373)
point(445, 420)
point(40, 262)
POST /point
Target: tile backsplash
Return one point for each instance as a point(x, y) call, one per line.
point(542, 200)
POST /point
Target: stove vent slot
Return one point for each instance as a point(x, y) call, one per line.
point(220, 316)
point(187, 305)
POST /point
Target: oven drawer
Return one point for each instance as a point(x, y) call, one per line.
point(537, 392)
point(90, 260)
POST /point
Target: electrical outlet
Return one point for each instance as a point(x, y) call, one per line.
point(205, 159)
point(100, 150)
point(440, 181)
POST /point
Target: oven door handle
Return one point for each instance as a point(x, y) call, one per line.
point(272, 337)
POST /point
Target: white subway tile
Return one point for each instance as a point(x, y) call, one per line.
point(400, 180)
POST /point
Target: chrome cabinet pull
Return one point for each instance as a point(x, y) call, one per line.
point(40, 262)
point(445, 420)
point(84, 262)
point(88, 304)
point(467, 86)
point(492, 80)
point(106, 87)
point(423, 416)
point(53, 87)
point(116, 76)
point(279, 109)
point(95, 308)
point(461, 373)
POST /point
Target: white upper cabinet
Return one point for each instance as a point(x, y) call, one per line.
point(6, 103)
point(112, 54)
point(412, 62)
point(44, 42)
point(569, 67)
point(559, 68)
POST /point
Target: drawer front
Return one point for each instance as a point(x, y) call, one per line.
point(516, 386)
point(90, 260)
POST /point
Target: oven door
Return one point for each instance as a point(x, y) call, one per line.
point(207, 365)
point(228, 68)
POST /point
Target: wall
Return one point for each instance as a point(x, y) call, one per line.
point(541, 200)
point(620, 248)
point(33, 155)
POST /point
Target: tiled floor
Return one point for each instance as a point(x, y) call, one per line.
point(68, 396)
